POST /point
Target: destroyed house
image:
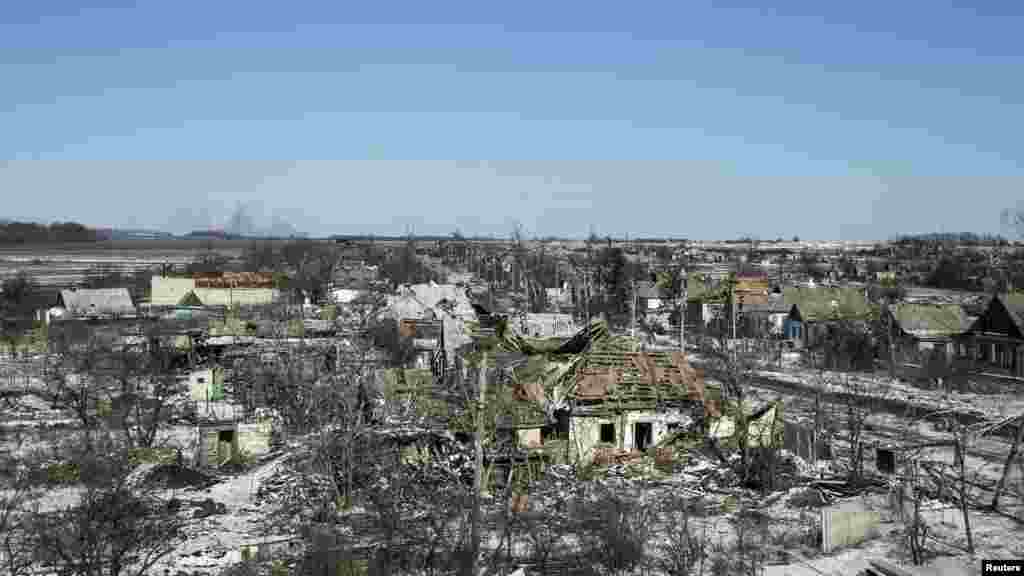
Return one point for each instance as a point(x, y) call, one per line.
point(630, 400)
point(616, 399)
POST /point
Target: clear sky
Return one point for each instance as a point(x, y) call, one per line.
point(687, 117)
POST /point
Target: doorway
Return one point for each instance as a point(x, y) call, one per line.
point(643, 435)
point(225, 446)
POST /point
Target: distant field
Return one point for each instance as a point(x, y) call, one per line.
point(67, 264)
point(173, 245)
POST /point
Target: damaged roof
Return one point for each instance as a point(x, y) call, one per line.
point(638, 378)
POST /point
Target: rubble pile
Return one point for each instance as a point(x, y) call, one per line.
point(200, 508)
point(290, 485)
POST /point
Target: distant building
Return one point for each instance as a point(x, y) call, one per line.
point(224, 289)
point(649, 296)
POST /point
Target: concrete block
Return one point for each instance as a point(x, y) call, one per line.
point(847, 524)
point(254, 439)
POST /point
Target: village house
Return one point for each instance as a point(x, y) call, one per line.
point(354, 274)
point(225, 289)
point(631, 400)
point(920, 329)
point(765, 319)
point(812, 310)
point(705, 303)
point(995, 341)
point(618, 400)
point(423, 311)
point(560, 298)
point(650, 298)
point(108, 303)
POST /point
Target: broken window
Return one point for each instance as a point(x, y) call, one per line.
point(608, 433)
point(643, 435)
point(885, 461)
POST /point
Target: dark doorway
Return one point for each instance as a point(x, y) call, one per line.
point(562, 424)
point(608, 433)
point(885, 461)
point(225, 446)
point(643, 435)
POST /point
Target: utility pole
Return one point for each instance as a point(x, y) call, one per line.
point(682, 314)
point(478, 470)
point(587, 281)
point(633, 312)
point(732, 292)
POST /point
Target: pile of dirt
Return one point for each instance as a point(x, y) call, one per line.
point(179, 477)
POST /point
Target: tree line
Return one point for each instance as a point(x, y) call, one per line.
point(57, 232)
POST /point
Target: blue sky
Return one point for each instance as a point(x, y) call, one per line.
point(698, 119)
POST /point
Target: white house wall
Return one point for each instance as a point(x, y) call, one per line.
point(659, 426)
point(254, 439)
point(585, 431)
point(585, 434)
point(167, 291)
point(236, 296)
point(200, 383)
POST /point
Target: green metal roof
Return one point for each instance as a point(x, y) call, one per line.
point(931, 319)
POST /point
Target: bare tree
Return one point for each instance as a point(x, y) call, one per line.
point(18, 495)
point(108, 384)
point(682, 550)
point(116, 528)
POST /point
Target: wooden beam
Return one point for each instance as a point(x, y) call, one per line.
point(1009, 462)
point(888, 569)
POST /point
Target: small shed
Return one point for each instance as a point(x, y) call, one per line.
point(218, 443)
point(224, 442)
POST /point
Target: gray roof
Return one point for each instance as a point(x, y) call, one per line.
point(648, 289)
point(98, 301)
